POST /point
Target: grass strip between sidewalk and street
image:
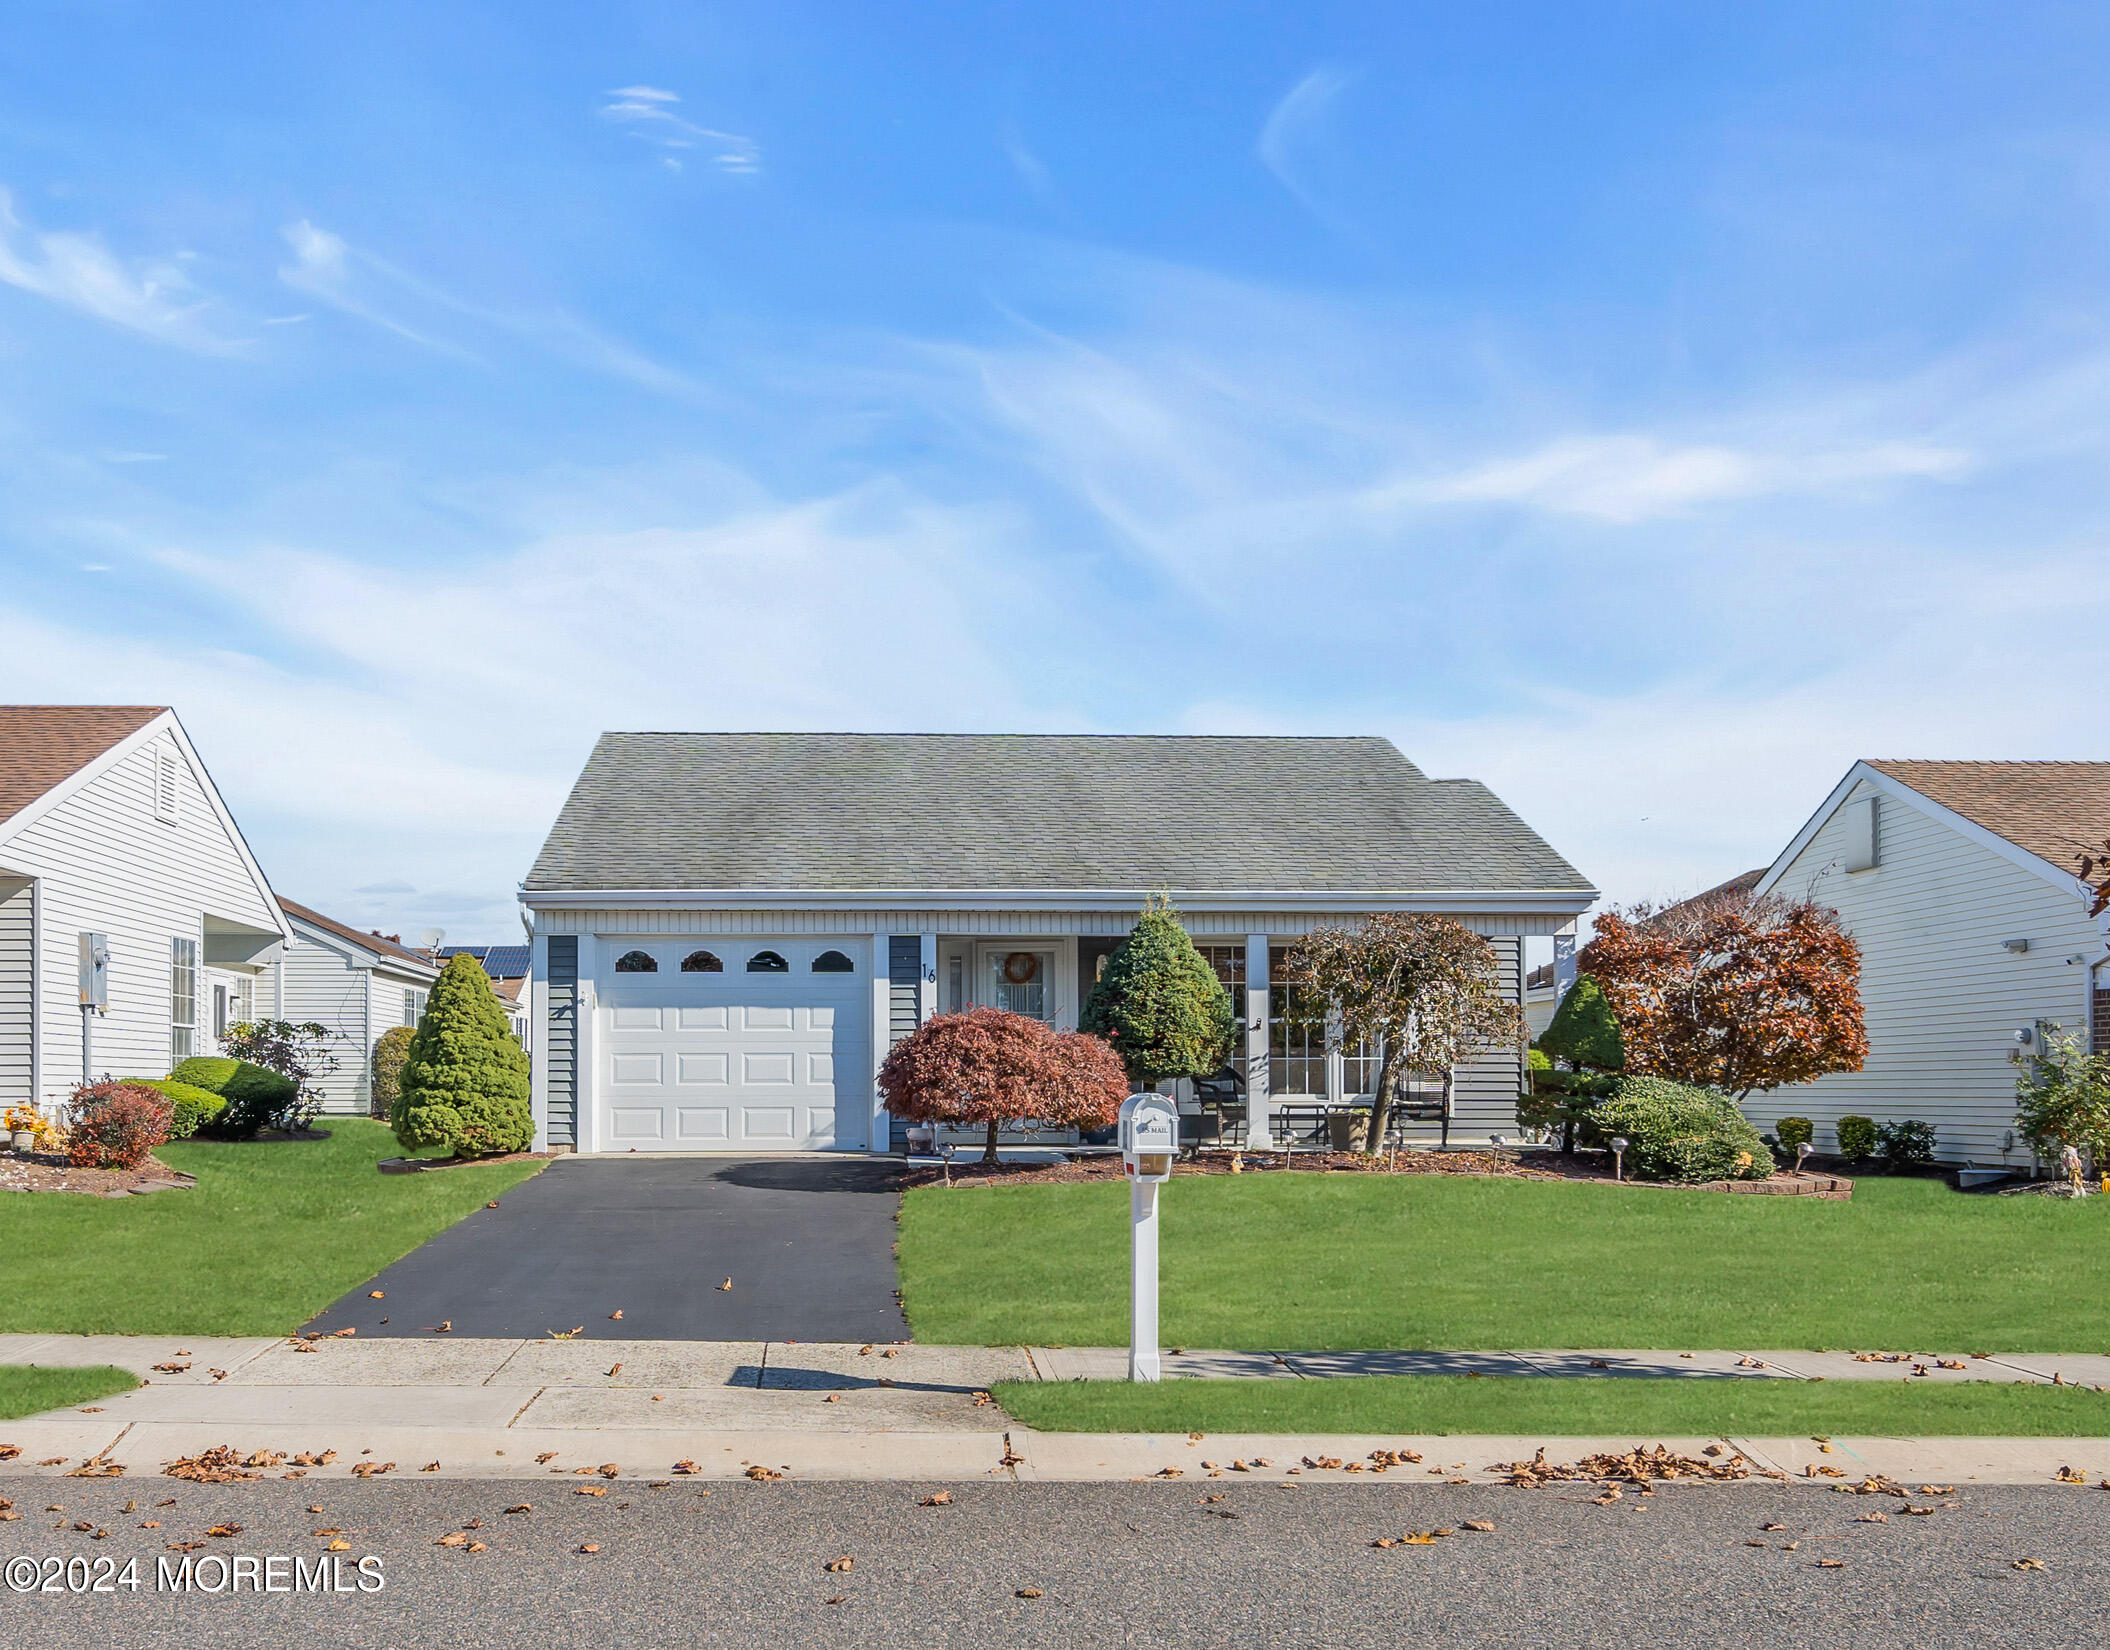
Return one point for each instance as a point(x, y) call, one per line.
point(30, 1389)
point(274, 1231)
point(1554, 1405)
point(1345, 1261)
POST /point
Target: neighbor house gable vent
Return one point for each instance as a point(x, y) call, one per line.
point(1859, 820)
point(167, 785)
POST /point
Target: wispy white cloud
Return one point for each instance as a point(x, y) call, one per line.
point(1632, 478)
point(375, 290)
point(647, 113)
point(1294, 127)
point(151, 296)
point(1031, 169)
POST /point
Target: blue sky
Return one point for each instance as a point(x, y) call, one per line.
point(1645, 410)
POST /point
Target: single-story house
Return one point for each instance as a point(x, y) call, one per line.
point(1960, 882)
point(119, 858)
point(360, 985)
point(730, 930)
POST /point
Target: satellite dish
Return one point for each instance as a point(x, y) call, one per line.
point(433, 938)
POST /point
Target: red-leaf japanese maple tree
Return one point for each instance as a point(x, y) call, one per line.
point(987, 1066)
point(1736, 991)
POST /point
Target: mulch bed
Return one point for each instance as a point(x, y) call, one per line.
point(967, 1171)
point(420, 1165)
point(50, 1172)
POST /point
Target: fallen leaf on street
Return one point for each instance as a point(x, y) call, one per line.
point(1027, 1592)
point(616, 1315)
point(942, 1499)
point(444, 1326)
point(218, 1465)
point(524, 1506)
point(763, 1475)
point(614, 1370)
point(591, 1489)
point(545, 1456)
point(1831, 1564)
point(340, 1545)
point(225, 1531)
point(835, 1565)
point(1479, 1525)
point(723, 1287)
point(587, 1547)
point(376, 1295)
point(453, 1538)
point(686, 1467)
point(2027, 1564)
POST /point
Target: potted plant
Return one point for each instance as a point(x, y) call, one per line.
point(22, 1124)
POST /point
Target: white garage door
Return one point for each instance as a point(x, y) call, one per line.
point(734, 1061)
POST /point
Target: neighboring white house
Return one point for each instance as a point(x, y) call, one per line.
point(110, 826)
point(359, 985)
point(1958, 879)
point(730, 930)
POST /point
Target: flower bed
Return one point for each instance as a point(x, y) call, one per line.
point(51, 1172)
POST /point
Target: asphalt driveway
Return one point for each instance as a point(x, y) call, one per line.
point(808, 1244)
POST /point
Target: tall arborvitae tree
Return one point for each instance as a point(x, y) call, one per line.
point(465, 1080)
point(1160, 1004)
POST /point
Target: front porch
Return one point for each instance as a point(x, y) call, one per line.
point(1291, 1071)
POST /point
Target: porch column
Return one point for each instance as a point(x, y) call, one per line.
point(878, 1126)
point(1336, 1060)
point(1259, 1130)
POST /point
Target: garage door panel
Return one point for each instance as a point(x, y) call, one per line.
point(773, 1125)
point(822, 1018)
point(636, 1068)
point(636, 1125)
point(772, 1067)
point(704, 1019)
point(702, 1125)
point(703, 1068)
point(820, 1070)
point(637, 1019)
point(766, 1017)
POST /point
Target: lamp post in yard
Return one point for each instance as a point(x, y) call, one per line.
point(1150, 1136)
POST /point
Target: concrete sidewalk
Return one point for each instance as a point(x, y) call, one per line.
point(539, 1409)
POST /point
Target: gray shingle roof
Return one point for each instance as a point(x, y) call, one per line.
point(828, 812)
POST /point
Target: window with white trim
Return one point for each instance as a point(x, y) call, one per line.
point(183, 999)
point(413, 1007)
point(168, 785)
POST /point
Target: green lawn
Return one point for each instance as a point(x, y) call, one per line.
point(27, 1389)
point(272, 1233)
point(1555, 1405)
point(1317, 1261)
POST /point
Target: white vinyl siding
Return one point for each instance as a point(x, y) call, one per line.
point(17, 1010)
point(322, 985)
point(1941, 994)
point(105, 864)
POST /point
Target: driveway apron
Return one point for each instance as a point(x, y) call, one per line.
point(807, 1245)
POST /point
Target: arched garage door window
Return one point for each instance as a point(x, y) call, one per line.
point(833, 962)
point(701, 962)
point(637, 962)
point(767, 962)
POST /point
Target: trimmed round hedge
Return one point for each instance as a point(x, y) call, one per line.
point(1677, 1132)
point(254, 1094)
point(191, 1107)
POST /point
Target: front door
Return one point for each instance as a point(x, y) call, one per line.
point(1019, 980)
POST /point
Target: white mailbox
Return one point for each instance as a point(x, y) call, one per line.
point(1150, 1136)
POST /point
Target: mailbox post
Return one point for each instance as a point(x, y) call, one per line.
point(1150, 1139)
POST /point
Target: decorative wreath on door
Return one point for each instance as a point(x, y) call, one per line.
point(1020, 967)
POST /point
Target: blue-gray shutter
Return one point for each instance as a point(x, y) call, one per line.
point(561, 1105)
point(904, 957)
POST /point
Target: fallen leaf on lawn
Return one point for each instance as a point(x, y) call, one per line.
point(1027, 1592)
point(835, 1565)
point(942, 1499)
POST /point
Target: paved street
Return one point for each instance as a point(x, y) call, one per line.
point(808, 1243)
point(1116, 1564)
